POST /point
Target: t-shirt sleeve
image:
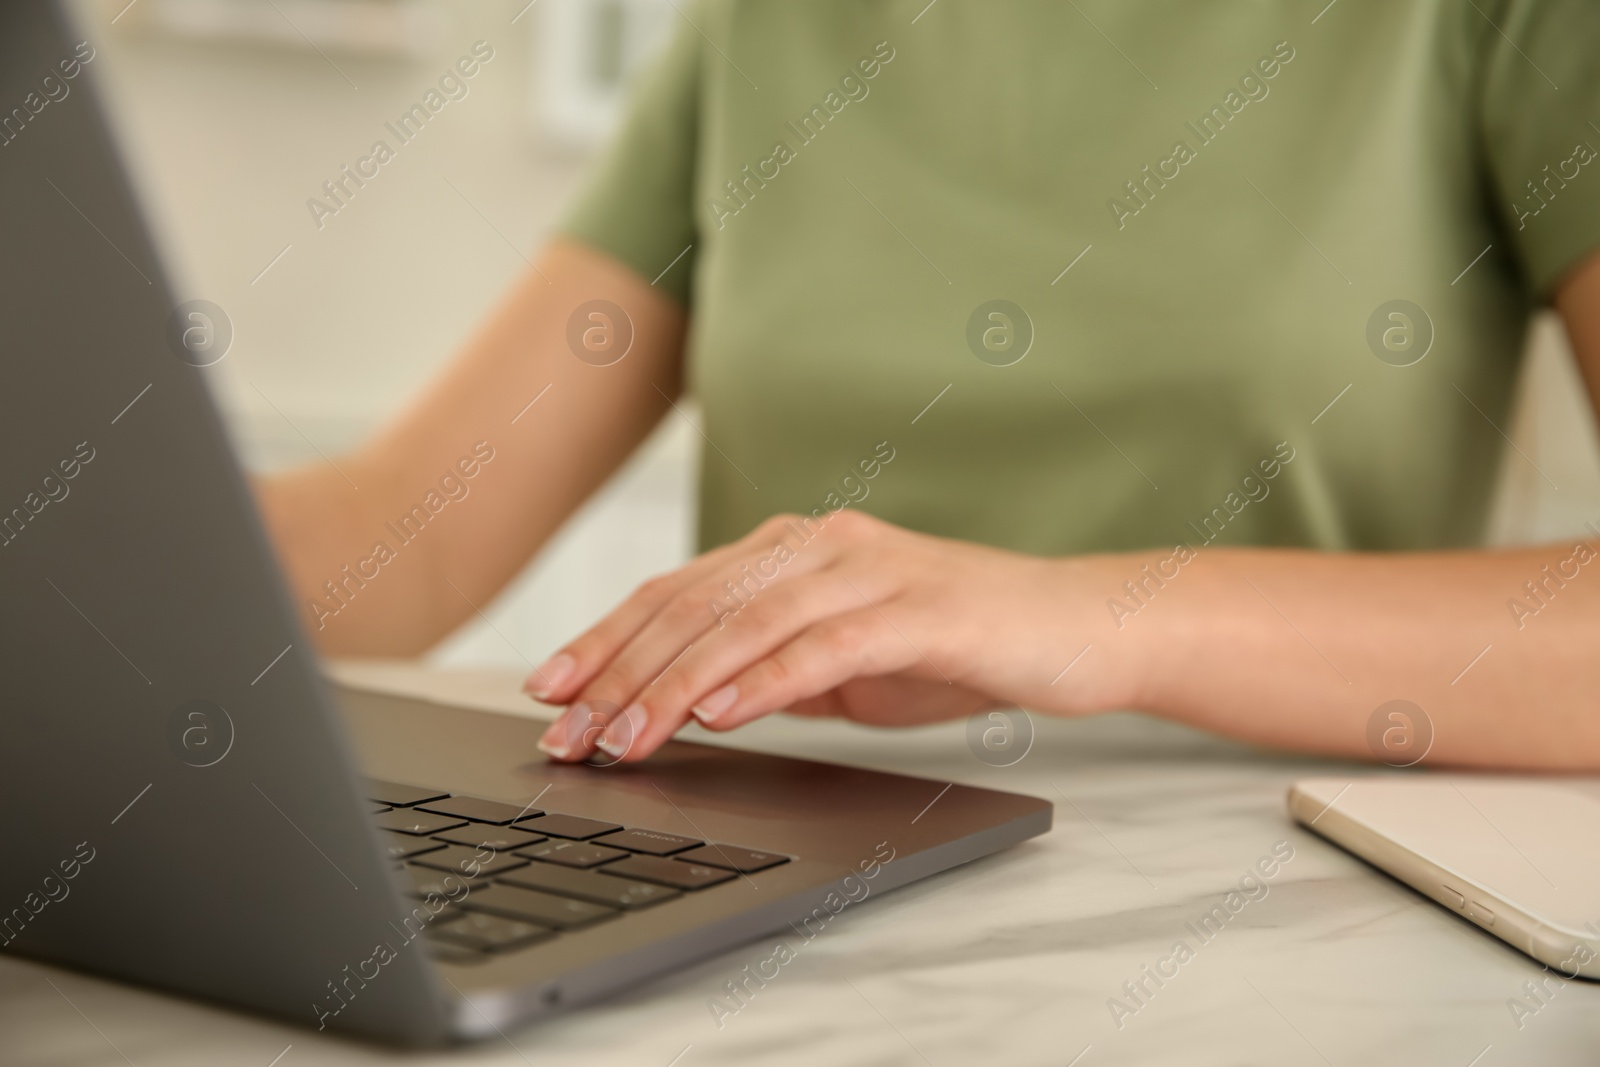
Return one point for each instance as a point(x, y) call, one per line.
point(637, 203)
point(1541, 96)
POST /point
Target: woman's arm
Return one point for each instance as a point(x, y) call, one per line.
point(481, 528)
point(1343, 634)
point(1297, 649)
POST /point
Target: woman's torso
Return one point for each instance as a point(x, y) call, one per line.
point(1205, 213)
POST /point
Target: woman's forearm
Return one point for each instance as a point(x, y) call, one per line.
point(390, 548)
point(1298, 649)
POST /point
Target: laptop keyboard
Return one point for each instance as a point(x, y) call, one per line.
point(519, 877)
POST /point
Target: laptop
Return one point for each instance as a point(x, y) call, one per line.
point(188, 805)
point(1516, 857)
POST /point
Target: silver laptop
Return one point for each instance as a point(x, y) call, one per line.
point(186, 803)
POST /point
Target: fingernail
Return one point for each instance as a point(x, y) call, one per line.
point(618, 736)
point(548, 675)
point(716, 704)
point(554, 741)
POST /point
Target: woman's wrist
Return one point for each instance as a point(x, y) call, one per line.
point(1109, 605)
point(1171, 615)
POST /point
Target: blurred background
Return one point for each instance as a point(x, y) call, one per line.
point(235, 112)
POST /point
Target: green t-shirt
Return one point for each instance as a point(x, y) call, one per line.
point(1198, 219)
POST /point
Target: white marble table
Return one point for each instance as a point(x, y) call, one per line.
point(1011, 960)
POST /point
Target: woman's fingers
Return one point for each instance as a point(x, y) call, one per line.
point(576, 733)
point(822, 657)
point(606, 668)
point(558, 677)
point(564, 674)
point(659, 680)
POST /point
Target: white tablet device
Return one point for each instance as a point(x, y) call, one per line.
point(1518, 856)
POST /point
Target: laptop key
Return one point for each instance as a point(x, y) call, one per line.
point(429, 882)
point(472, 862)
point(529, 905)
point(478, 835)
point(476, 809)
point(587, 885)
point(423, 919)
point(572, 853)
point(667, 872)
point(570, 826)
point(404, 846)
point(731, 858)
point(491, 933)
point(398, 795)
point(651, 842)
point(418, 823)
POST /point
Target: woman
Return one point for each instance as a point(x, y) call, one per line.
point(1081, 357)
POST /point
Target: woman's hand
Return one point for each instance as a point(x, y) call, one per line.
point(850, 617)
